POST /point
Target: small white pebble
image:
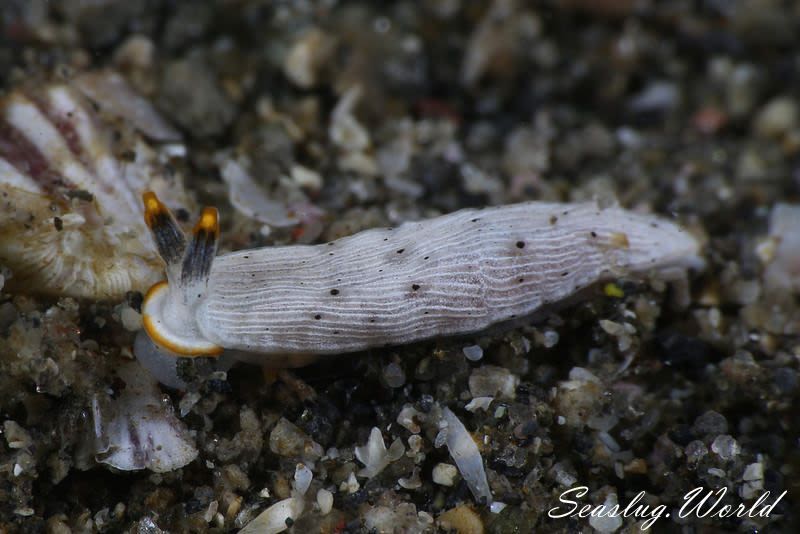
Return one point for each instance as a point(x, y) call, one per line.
point(491, 380)
point(394, 375)
point(174, 150)
point(188, 401)
point(305, 177)
point(582, 374)
point(776, 118)
point(350, 485)
point(753, 472)
point(725, 446)
point(752, 481)
point(415, 443)
point(445, 474)
point(16, 436)
point(607, 523)
point(211, 511)
point(717, 472)
point(609, 441)
point(497, 507)
point(612, 328)
point(473, 352)
point(562, 476)
point(131, 319)
point(425, 518)
point(407, 419)
point(478, 403)
point(137, 51)
point(302, 478)
point(324, 501)
point(18, 470)
point(783, 257)
point(766, 249)
point(550, 338)
point(412, 482)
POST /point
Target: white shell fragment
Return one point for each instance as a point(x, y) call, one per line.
point(496, 507)
point(70, 207)
point(117, 97)
point(375, 456)
point(274, 519)
point(491, 381)
point(466, 455)
point(138, 430)
point(607, 523)
point(479, 403)
point(345, 130)
point(407, 418)
point(444, 474)
point(302, 479)
point(783, 263)
point(472, 352)
point(395, 517)
point(250, 199)
point(307, 57)
point(324, 501)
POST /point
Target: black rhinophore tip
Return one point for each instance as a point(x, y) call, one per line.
point(169, 238)
point(202, 249)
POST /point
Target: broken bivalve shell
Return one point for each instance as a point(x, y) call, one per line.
point(70, 182)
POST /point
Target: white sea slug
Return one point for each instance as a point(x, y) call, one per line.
point(451, 275)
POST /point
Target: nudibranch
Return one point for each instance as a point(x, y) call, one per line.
point(454, 274)
point(72, 169)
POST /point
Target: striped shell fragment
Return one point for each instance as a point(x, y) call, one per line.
point(71, 175)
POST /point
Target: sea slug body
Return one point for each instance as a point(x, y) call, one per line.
point(454, 274)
